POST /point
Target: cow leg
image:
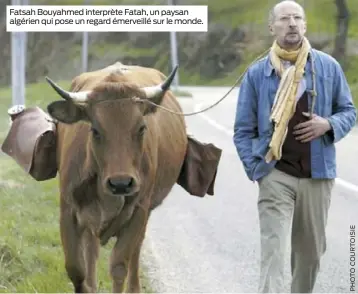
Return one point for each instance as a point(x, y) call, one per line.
point(72, 240)
point(134, 285)
point(92, 253)
point(123, 249)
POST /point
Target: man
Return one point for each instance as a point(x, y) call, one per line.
point(293, 105)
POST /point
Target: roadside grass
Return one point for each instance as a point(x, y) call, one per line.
point(31, 258)
point(180, 93)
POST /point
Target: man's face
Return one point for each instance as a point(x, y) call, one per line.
point(288, 25)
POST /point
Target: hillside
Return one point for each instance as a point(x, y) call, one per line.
point(237, 34)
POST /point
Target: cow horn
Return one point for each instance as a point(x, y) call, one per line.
point(75, 96)
point(153, 91)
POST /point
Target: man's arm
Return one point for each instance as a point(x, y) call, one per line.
point(344, 113)
point(245, 125)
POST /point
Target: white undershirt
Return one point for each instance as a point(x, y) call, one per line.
point(302, 85)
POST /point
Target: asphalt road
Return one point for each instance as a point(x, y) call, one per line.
point(211, 244)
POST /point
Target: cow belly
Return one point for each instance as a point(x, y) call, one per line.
point(171, 153)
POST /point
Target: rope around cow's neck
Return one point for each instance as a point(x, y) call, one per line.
point(211, 106)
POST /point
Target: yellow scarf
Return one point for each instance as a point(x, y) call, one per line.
point(285, 100)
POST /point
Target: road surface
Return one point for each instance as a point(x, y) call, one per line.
point(211, 244)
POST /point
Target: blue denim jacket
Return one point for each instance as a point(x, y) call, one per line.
point(253, 128)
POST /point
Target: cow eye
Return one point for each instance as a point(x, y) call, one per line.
point(142, 130)
point(95, 133)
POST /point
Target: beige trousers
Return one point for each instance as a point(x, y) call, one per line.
point(304, 203)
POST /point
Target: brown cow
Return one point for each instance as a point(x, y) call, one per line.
point(118, 158)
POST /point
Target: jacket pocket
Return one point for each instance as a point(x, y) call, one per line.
point(260, 147)
point(259, 150)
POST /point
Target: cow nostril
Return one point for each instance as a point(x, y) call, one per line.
point(120, 182)
point(120, 185)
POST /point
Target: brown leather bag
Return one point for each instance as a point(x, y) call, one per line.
point(199, 170)
point(31, 142)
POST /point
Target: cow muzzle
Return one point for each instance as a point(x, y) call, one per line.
point(122, 185)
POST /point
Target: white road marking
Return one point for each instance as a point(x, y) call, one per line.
point(227, 131)
point(347, 185)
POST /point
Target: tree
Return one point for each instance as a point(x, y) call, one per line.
point(339, 51)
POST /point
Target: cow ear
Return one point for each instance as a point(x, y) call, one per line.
point(66, 112)
point(150, 108)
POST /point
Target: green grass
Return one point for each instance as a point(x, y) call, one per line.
point(31, 258)
point(182, 93)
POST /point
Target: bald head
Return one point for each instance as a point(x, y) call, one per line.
point(287, 24)
point(285, 4)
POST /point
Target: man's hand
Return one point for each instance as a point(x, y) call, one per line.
point(312, 129)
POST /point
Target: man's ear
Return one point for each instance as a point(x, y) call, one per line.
point(270, 27)
point(66, 112)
